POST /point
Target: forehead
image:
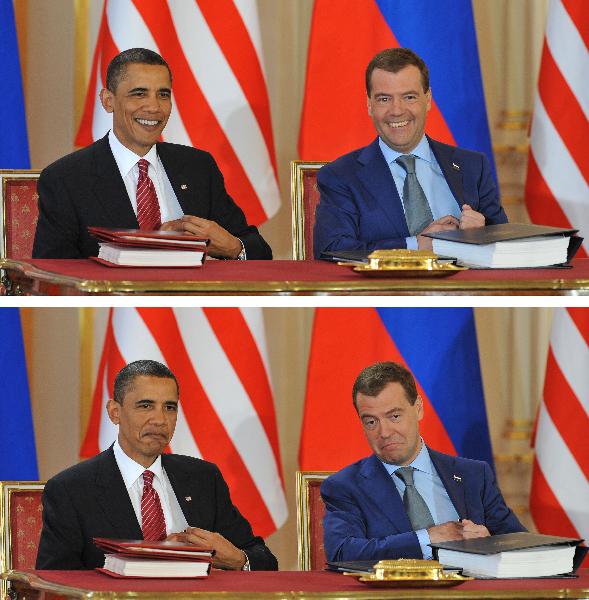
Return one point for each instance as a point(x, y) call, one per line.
point(407, 79)
point(146, 76)
point(146, 387)
point(392, 397)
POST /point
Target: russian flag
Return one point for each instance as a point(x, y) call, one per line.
point(14, 146)
point(346, 34)
point(18, 457)
point(438, 345)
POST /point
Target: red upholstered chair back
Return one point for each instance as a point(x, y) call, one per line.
point(310, 510)
point(20, 525)
point(304, 198)
point(19, 213)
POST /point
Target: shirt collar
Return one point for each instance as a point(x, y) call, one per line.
point(126, 159)
point(422, 150)
point(422, 462)
point(131, 470)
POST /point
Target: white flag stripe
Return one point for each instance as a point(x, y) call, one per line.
point(561, 471)
point(562, 176)
point(227, 101)
point(102, 120)
point(107, 431)
point(233, 406)
point(565, 42)
point(572, 355)
point(248, 11)
point(255, 321)
point(135, 342)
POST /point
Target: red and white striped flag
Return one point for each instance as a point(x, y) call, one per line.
point(559, 499)
point(226, 412)
point(557, 186)
point(220, 96)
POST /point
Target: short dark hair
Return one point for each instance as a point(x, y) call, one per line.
point(393, 60)
point(149, 368)
point(373, 379)
point(118, 65)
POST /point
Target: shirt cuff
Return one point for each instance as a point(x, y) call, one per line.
point(242, 255)
point(246, 566)
point(424, 541)
point(411, 243)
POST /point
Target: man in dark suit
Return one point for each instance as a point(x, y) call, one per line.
point(406, 495)
point(132, 488)
point(404, 184)
point(101, 185)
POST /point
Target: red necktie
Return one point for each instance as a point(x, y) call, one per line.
point(153, 522)
point(148, 208)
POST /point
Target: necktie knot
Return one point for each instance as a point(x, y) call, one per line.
point(143, 167)
point(148, 479)
point(405, 474)
point(407, 161)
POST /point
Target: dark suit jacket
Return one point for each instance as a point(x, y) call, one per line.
point(365, 518)
point(90, 500)
point(86, 188)
point(360, 208)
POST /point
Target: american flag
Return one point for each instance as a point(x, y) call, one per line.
point(559, 499)
point(220, 96)
point(226, 410)
point(557, 186)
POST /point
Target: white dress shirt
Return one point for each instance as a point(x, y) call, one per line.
point(132, 473)
point(127, 160)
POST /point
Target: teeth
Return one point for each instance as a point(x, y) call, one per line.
point(146, 122)
point(399, 124)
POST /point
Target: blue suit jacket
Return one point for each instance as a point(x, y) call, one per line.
point(365, 518)
point(360, 208)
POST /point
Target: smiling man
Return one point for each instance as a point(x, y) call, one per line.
point(406, 495)
point(129, 179)
point(404, 184)
point(135, 491)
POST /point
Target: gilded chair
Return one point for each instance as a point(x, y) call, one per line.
point(20, 526)
point(19, 213)
point(310, 510)
point(304, 198)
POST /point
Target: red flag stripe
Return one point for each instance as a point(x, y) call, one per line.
point(578, 13)
point(580, 317)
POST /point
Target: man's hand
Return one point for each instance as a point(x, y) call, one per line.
point(456, 530)
point(222, 243)
point(470, 218)
point(443, 224)
point(227, 556)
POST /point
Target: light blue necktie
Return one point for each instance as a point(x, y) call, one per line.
point(417, 211)
point(417, 510)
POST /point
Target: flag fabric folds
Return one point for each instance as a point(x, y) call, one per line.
point(557, 185)
point(437, 345)
point(14, 147)
point(334, 117)
point(220, 95)
point(559, 498)
point(18, 457)
point(226, 412)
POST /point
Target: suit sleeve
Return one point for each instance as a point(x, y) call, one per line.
point(61, 544)
point(230, 523)
point(229, 215)
point(489, 204)
point(338, 219)
point(346, 535)
point(57, 231)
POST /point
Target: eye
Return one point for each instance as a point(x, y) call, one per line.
point(165, 95)
point(172, 407)
point(369, 422)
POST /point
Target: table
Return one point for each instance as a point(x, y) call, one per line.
point(279, 277)
point(51, 585)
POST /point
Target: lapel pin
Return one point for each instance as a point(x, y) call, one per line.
point(183, 187)
point(189, 498)
point(455, 166)
point(456, 478)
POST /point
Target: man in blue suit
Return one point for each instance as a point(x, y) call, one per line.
point(406, 495)
point(404, 184)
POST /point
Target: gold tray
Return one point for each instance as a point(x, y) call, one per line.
point(421, 583)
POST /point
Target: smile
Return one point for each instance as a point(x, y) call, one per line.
point(398, 124)
point(147, 122)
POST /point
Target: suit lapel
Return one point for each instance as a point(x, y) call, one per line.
point(451, 168)
point(380, 488)
point(109, 188)
point(180, 177)
point(452, 478)
point(113, 498)
point(375, 175)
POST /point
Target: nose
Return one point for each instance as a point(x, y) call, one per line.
point(158, 416)
point(151, 103)
point(396, 106)
point(387, 428)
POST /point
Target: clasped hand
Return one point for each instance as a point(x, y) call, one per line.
point(457, 530)
point(469, 219)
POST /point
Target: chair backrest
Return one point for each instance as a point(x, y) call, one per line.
point(304, 198)
point(19, 213)
point(20, 525)
point(310, 510)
